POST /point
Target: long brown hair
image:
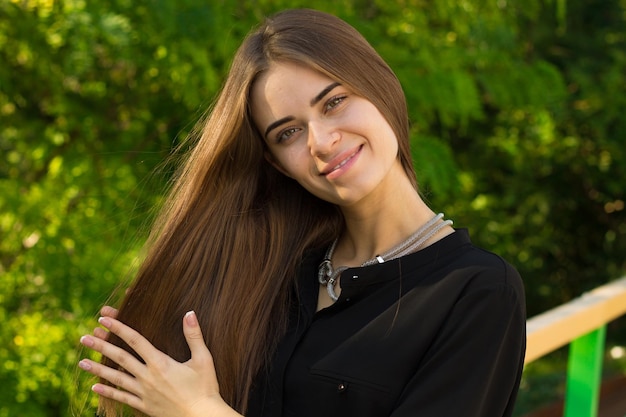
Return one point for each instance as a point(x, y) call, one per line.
point(230, 237)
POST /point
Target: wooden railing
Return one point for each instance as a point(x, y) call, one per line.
point(582, 324)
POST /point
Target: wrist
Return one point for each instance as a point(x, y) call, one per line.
point(213, 406)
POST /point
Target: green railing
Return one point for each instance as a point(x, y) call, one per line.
point(582, 324)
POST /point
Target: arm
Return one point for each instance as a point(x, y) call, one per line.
point(161, 386)
point(474, 366)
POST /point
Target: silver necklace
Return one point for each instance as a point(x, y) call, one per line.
point(328, 276)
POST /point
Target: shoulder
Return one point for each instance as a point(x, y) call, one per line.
point(456, 257)
point(490, 286)
point(490, 269)
point(466, 270)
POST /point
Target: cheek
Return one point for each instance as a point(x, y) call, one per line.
point(291, 162)
point(390, 141)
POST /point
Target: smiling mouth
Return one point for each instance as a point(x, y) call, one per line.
point(342, 163)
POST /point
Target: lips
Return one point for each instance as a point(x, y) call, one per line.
point(340, 161)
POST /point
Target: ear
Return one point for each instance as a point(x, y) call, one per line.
point(273, 162)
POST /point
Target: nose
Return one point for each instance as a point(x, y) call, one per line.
point(322, 138)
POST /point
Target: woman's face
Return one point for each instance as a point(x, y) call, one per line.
point(336, 144)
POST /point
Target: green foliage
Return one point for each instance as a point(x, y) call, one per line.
point(517, 133)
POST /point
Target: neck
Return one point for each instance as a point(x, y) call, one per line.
point(377, 226)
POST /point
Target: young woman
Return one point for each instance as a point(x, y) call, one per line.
point(315, 279)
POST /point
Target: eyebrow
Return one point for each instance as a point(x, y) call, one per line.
point(314, 101)
point(277, 123)
point(322, 93)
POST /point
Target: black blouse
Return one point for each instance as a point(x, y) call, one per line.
point(437, 333)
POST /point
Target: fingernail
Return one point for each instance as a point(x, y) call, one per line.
point(86, 341)
point(84, 365)
point(105, 321)
point(191, 318)
point(97, 388)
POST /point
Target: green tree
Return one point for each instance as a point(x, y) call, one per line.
point(516, 129)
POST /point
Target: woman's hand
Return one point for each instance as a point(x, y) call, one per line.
point(106, 311)
point(161, 386)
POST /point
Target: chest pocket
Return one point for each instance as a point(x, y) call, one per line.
point(343, 395)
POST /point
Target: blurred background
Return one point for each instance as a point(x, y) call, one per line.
point(518, 133)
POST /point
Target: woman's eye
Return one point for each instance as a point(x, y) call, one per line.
point(284, 135)
point(334, 102)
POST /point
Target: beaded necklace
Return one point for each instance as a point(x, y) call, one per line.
point(328, 276)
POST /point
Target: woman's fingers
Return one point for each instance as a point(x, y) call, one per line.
point(119, 396)
point(155, 384)
point(117, 378)
point(201, 359)
point(108, 311)
point(100, 333)
point(134, 339)
point(193, 335)
point(131, 389)
point(123, 358)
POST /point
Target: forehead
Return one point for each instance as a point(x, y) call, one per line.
point(283, 75)
point(283, 86)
